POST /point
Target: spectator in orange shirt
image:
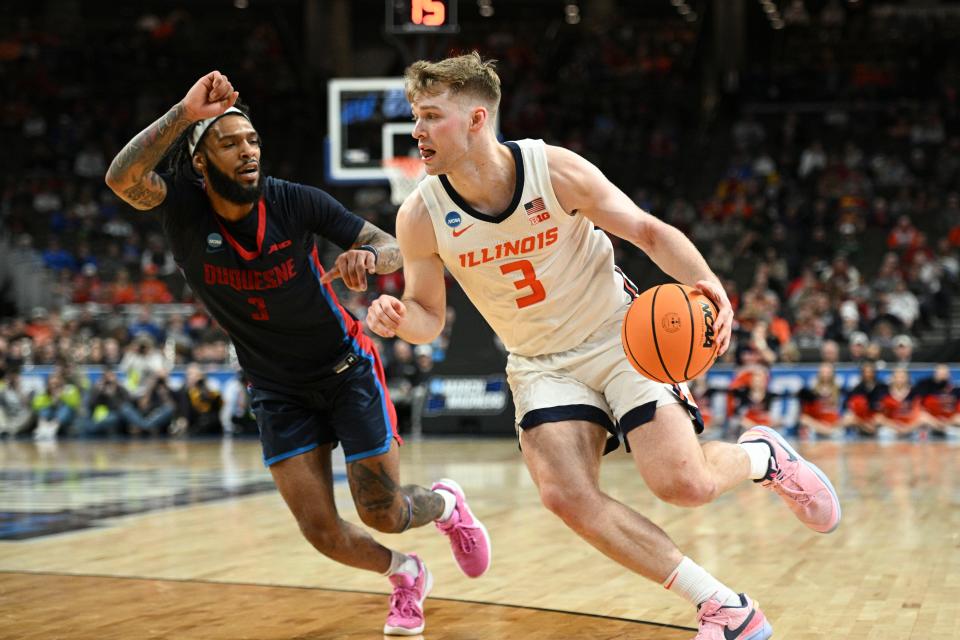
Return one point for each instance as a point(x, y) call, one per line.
point(752, 404)
point(953, 236)
point(122, 291)
point(901, 409)
point(39, 329)
point(153, 290)
point(87, 286)
point(779, 326)
point(904, 236)
point(941, 399)
point(864, 401)
point(820, 404)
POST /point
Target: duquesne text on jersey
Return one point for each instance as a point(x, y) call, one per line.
point(249, 279)
point(511, 248)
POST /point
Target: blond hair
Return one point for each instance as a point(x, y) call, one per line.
point(468, 74)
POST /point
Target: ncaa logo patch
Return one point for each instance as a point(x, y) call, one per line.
point(453, 219)
point(214, 242)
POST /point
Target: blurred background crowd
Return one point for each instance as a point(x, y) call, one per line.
point(811, 151)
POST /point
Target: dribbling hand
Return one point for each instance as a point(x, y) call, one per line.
point(385, 315)
point(209, 97)
point(723, 325)
point(353, 266)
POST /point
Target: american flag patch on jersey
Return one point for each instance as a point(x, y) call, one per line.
point(536, 211)
point(534, 206)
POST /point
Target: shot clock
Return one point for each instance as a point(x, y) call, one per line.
point(422, 16)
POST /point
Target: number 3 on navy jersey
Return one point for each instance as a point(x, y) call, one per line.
point(261, 305)
point(529, 280)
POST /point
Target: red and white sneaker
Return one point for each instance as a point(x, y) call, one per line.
point(406, 602)
point(743, 622)
point(468, 537)
point(803, 487)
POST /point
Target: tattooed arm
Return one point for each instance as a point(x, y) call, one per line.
point(354, 264)
point(388, 251)
point(131, 174)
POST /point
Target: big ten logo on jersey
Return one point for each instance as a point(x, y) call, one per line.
point(536, 211)
point(519, 247)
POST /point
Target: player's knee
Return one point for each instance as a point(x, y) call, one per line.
point(685, 491)
point(384, 520)
point(571, 504)
point(326, 537)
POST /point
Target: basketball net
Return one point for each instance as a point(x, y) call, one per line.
point(404, 173)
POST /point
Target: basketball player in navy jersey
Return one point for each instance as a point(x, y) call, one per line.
point(245, 243)
point(516, 225)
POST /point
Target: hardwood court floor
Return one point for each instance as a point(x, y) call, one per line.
point(188, 540)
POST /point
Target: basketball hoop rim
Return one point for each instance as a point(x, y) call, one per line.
point(410, 167)
point(404, 173)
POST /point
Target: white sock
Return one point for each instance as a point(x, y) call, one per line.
point(759, 454)
point(692, 582)
point(402, 563)
point(449, 504)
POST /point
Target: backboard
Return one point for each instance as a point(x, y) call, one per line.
point(369, 119)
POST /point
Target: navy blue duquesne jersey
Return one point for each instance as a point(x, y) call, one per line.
point(259, 277)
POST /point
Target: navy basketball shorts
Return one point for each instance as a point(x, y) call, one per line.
point(352, 408)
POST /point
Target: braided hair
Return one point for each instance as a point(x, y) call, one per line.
point(178, 160)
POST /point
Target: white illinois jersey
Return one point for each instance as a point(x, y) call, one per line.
point(542, 278)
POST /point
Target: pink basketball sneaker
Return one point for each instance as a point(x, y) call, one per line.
point(468, 537)
point(406, 603)
point(803, 487)
point(745, 622)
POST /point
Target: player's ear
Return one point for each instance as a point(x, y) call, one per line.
point(199, 162)
point(478, 118)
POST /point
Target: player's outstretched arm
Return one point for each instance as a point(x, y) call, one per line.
point(374, 251)
point(582, 188)
point(389, 258)
point(131, 174)
point(419, 316)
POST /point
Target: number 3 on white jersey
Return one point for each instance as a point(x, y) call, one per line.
point(529, 280)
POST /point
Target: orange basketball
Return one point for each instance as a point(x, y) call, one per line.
point(668, 333)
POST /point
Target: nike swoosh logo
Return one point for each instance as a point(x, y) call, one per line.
point(733, 634)
point(459, 232)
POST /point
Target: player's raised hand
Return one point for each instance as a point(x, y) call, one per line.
point(385, 315)
point(353, 266)
point(723, 326)
point(209, 97)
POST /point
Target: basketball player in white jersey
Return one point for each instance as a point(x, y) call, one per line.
point(517, 225)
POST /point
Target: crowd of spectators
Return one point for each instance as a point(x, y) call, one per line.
point(112, 376)
point(835, 225)
point(116, 301)
point(836, 220)
point(832, 250)
point(874, 404)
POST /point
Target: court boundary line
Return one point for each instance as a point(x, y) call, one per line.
point(601, 616)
